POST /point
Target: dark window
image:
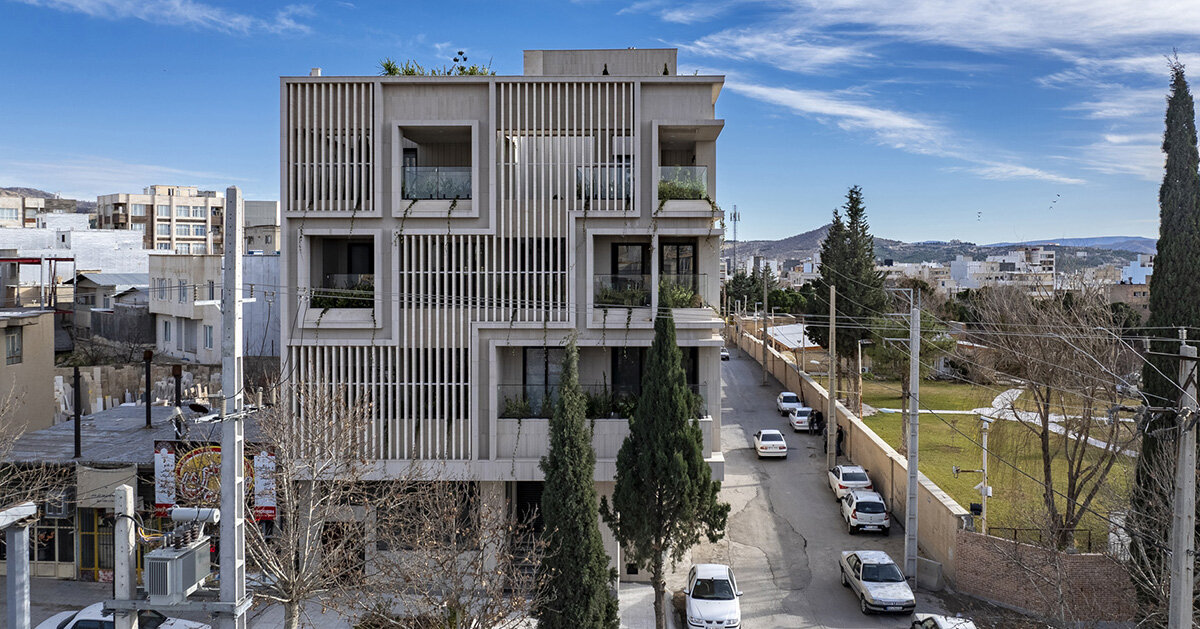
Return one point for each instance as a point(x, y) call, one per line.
point(712, 590)
point(854, 477)
point(882, 573)
point(631, 259)
point(543, 371)
point(678, 258)
point(14, 342)
point(869, 507)
point(627, 365)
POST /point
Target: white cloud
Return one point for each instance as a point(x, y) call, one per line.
point(793, 49)
point(682, 12)
point(187, 13)
point(86, 177)
point(1000, 170)
point(1139, 155)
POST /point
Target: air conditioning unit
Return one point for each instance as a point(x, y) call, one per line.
point(172, 574)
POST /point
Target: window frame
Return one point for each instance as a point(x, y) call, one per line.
point(14, 345)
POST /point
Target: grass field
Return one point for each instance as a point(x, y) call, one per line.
point(951, 440)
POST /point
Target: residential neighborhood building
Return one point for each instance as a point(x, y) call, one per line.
point(92, 250)
point(1138, 271)
point(1030, 268)
point(97, 290)
point(260, 221)
point(21, 211)
point(27, 369)
point(1136, 295)
point(184, 290)
point(445, 236)
point(183, 219)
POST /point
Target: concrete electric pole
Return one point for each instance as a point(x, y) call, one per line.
point(124, 557)
point(233, 482)
point(914, 395)
point(831, 418)
point(762, 274)
point(1183, 525)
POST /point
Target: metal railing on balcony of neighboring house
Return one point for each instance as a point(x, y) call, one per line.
point(681, 291)
point(621, 291)
point(436, 182)
point(344, 290)
point(682, 182)
point(517, 401)
point(604, 182)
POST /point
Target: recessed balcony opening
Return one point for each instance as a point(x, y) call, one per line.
point(622, 280)
point(679, 285)
point(343, 272)
point(435, 163)
point(684, 153)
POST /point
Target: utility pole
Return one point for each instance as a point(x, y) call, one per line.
point(762, 274)
point(831, 417)
point(233, 442)
point(803, 343)
point(124, 557)
point(985, 491)
point(735, 217)
point(1183, 521)
point(914, 395)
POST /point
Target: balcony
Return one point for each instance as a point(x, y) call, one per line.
point(603, 402)
point(605, 186)
point(621, 291)
point(433, 183)
point(682, 183)
point(681, 291)
point(344, 290)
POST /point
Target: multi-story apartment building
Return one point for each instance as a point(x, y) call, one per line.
point(444, 237)
point(1029, 268)
point(183, 219)
point(24, 211)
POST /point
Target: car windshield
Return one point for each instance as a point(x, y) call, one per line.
point(882, 573)
point(772, 436)
point(854, 477)
point(803, 412)
point(790, 398)
point(869, 507)
point(712, 590)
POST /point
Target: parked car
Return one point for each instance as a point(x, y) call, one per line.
point(770, 443)
point(712, 597)
point(787, 401)
point(724, 353)
point(844, 478)
point(864, 510)
point(802, 419)
point(877, 582)
point(933, 621)
point(94, 617)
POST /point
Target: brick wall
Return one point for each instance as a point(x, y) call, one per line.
point(1071, 587)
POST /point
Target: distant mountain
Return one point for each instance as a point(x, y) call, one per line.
point(1136, 244)
point(81, 207)
point(1071, 257)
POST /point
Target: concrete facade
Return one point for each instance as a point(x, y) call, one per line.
point(17, 212)
point(183, 219)
point(27, 369)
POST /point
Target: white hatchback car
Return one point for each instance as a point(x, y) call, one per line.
point(844, 478)
point(724, 353)
point(864, 510)
point(770, 443)
point(787, 401)
point(94, 617)
point(801, 419)
point(712, 597)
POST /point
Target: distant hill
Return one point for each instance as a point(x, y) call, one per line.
point(81, 207)
point(1071, 257)
point(1136, 244)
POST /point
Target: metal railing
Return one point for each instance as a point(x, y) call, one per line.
point(681, 291)
point(344, 290)
point(682, 182)
point(604, 401)
point(436, 182)
point(621, 291)
point(604, 182)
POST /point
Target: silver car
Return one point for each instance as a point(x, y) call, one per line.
point(864, 511)
point(877, 582)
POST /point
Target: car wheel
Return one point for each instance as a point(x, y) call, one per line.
point(850, 528)
point(862, 605)
point(845, 583)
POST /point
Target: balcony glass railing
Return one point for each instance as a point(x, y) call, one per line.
point(518, 401)
point(436, 182)
point(682, 182)
point(681, 291)
point(344, 290)
point(604, 182)
point(621, 291)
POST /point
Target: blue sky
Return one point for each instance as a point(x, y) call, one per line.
point(975, 120)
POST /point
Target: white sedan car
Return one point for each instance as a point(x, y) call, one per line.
point(801, 419)
point(94, 617)
point(770, 443)
point(933, 621)
point(877, 582)
point(845, 478)
point(724, 353)
point(712, 597)
point(787, 401)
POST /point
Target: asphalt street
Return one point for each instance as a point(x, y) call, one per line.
point(785, 530)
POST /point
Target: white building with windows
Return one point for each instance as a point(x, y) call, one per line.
point(444, 236)
point(1138, 271)
point(182, 219)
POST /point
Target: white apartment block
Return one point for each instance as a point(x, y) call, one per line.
point(1030, 268)
point(260, 225)
point(445, 236)
point(184, 291)
point(1138, 271)
point(182, 219)
point(17, 212)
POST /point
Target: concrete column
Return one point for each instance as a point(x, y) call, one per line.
point(17, 538)
point(124, 556)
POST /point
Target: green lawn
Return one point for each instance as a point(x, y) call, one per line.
point(1016, 499)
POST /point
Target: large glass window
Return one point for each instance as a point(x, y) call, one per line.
point(163, 211)
point(14, 343)
point(631, 259)
point(198, 211)
point(678, 258)
point(10, 214)
point(166, 334)
point(199, 230)
point(627, 370)
point(183, 230)
point(543, 372)
point(163, 229)
point(137, 209)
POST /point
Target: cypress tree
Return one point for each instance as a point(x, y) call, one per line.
point(1174, 301)
point(577, 576)
point(664, 496)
